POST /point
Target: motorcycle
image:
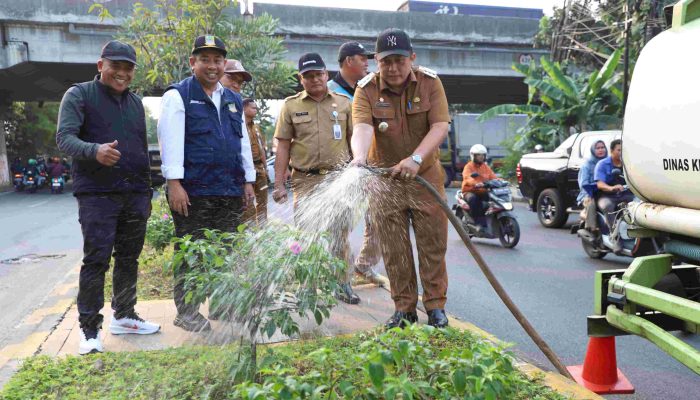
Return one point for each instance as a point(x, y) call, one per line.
point(18, 182)
point(500, 221)
point(598, 244)
point(57, 185)
point(30, 182)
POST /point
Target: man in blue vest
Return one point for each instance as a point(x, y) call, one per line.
point(102, 125)
point(206, 159)
point(352, 59)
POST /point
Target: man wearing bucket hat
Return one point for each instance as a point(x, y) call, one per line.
point(400, 117)
point(206, 159)
point(102, 125)
point(234, 77)
point(313, 130)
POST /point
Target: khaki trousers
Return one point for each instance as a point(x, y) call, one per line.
point(257, 214)
point(393, 212)
point(371, 252)
point(303, 186)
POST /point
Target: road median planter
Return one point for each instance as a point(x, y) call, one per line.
point(419, 362)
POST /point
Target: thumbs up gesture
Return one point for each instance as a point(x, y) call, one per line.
point(107, 153)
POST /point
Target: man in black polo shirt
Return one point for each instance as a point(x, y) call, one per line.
point(102, 125)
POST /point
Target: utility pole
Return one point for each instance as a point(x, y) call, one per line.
point(628, 25)
point(4, 164)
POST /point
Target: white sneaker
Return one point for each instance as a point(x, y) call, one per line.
point(132, 324)
point(89, 342)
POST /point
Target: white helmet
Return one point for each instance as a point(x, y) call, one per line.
point(477, 149)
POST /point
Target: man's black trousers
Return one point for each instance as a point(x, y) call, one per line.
point(112, 225)
point(222, 213)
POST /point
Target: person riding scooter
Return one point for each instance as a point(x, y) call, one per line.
point(473, 186)
point(586, 182)
point(56, 169)
point(612, 186)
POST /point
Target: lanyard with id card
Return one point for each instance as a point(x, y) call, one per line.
point(337, 132)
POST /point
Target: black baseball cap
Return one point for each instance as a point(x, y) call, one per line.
point(208, 42)
point(119, 51)
point(350, 49)
point(393, 41)
point(311, 62)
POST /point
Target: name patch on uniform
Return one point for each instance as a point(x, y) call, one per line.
point(381, 104)
point(197, 102)
point(299, 114)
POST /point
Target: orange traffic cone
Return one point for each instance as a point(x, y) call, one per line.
point(599, 371)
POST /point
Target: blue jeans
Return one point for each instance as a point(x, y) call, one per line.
point(112, 225)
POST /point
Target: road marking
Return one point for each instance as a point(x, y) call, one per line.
point(39, 203)
point(24, 349)
point(61, 290)
point(59, 308)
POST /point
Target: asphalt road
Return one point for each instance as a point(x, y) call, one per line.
point(42, 225)
point(548, 275)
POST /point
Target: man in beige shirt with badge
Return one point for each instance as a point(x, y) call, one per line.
point(313, 130)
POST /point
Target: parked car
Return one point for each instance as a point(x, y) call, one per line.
point(549, 181)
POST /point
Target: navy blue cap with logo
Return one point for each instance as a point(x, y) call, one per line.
point(393, 41)
point(115, 50)
point(311, 62)
point(208, 42)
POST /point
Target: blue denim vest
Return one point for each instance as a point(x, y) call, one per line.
point(213, 162)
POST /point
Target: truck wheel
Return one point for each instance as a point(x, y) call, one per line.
point(550, 209)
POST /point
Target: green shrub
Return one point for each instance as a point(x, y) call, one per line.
point(160, 229)
point(419, 362)
point(261, 278)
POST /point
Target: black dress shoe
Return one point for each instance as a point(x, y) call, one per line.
point(401, 319)
point(346, 294)
point(192, 323)
point(437, 318)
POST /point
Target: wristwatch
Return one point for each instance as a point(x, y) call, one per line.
point(417, 159)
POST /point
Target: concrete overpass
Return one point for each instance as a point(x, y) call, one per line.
point(49, 44)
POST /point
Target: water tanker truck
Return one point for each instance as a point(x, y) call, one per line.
point(659, 294)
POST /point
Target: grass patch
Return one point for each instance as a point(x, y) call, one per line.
point(424, 362)
point(155, 282)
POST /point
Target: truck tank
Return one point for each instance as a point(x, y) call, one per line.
point(661, 135)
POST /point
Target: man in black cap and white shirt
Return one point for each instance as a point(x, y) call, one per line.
point(102, 125)
point(206, 159)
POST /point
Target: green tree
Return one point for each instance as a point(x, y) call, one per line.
point(559, 103)
point(163, 35)
point(585, 32)
point(30, 129)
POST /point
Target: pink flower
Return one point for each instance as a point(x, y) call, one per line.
point(166, 217)
point(295, 247)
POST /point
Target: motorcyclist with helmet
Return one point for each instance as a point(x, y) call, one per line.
point(473, 189)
